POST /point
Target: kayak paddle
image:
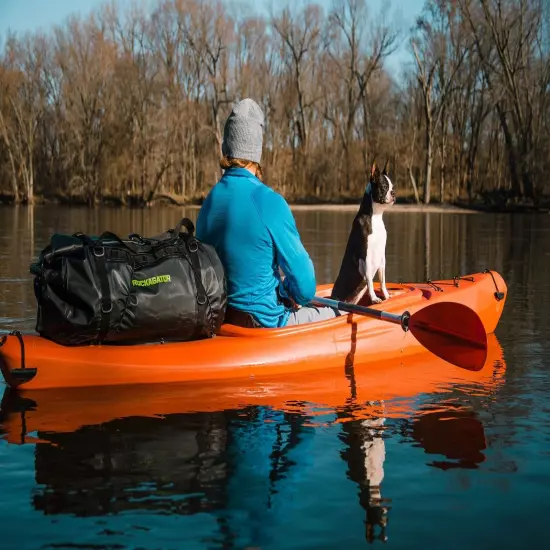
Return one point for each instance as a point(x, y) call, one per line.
point(450, 330)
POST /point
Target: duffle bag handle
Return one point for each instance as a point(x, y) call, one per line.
point(188, 224)
point(84, 238)
point(106, 235)
point(109, 235)
point(137, 238)
point(174, 234)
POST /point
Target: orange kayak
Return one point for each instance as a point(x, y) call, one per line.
point(388, 389)
point(241, 353)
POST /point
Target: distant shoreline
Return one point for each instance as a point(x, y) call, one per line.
point(428, 208)
point(403, 207)
point(350, 207)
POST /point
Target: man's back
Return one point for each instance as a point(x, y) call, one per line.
point(253, 231)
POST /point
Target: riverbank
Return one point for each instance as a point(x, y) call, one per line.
point(428, 208)
point(434, 208)
point(299, 207)
point(457, 207)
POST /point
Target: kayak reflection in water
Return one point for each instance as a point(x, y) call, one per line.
point(258, 470)
point(261, 473)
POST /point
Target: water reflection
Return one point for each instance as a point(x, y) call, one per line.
point(242, 451)
point(174, 465)
point(365, 454)
point(454, 436)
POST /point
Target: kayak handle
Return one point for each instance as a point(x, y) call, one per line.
point(399, 319)
point(19, 336)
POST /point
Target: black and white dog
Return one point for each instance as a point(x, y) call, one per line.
point(365, 253)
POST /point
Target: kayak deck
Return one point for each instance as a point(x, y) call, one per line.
point(241, 352)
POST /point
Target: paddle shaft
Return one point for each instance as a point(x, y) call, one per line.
point(402, 319)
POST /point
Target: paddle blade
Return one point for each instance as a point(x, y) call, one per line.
point(453, 332)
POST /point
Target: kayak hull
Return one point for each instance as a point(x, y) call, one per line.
point(388, 390)
point(243, 353)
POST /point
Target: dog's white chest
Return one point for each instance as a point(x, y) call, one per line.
point(376, 246)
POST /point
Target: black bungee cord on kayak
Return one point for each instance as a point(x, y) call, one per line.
point(22, 373)
point(456, 282)
point(498, 294)
point(21, 343)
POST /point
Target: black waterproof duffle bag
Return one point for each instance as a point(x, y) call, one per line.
point(107, 290)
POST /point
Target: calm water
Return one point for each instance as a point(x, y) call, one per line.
point(418, 457)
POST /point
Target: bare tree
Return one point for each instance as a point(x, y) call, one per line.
point(209, 30)
point(438, 56)
point(24, 106)
point(356, 58)
point(508, 41)
point(299, 43)
point(127, 105)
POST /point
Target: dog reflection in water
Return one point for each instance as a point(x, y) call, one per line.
point(365, 455)
point(375, 455)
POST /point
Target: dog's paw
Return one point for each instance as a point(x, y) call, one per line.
point(386, 295)
point(376, 300)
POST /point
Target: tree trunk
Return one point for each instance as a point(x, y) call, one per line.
point(429, 164)
point(443, 155)
point(427, 246)
point(13, 177)
point(517, 184)
point(414, 186)
point(4, 129)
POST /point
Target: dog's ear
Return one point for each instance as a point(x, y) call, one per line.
point(385, 171)
point(373, 169)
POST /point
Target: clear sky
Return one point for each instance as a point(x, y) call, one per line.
point(22, 15)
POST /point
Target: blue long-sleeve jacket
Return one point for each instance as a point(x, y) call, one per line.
point(254, 233)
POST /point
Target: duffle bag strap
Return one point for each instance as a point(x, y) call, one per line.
point(106, 302)
point(202, 298)
point(98, 250)
point(192, 246)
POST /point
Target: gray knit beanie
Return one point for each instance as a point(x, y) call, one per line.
point(243, 131)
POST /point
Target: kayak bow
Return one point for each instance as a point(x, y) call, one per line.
point(450, 330)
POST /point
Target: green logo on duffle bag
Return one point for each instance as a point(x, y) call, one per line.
point(151, 280)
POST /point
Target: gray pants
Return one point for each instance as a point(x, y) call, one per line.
point(311, 314)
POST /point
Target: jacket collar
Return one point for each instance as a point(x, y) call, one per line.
point(237, 172)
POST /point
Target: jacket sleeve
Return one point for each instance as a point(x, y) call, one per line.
point(291, 256)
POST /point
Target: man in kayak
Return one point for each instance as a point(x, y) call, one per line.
point(254, 233)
